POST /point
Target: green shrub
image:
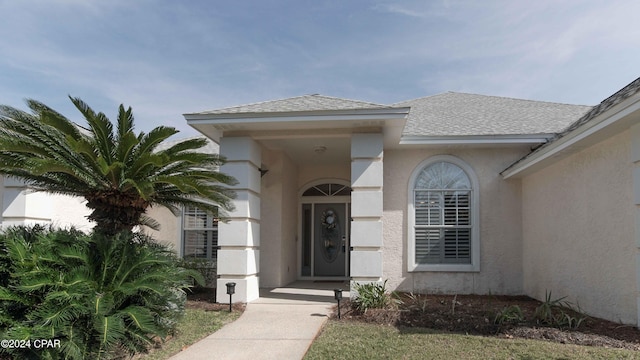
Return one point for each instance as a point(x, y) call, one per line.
point(101, 297)
point(205, 267)
point(371, 296)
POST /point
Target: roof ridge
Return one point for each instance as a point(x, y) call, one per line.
point(353, 100)
point(491, 96)
point(292, 98)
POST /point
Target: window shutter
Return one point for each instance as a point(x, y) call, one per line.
point(442, 215)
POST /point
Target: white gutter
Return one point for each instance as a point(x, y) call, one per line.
point(475, 139)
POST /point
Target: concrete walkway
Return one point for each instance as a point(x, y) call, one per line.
point(282, 324)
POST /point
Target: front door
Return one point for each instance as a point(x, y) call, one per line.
point(325, 247)
point(330, 240)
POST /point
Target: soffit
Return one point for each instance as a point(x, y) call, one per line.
point(313, 150)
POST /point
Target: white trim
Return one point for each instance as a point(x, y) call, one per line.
point(181, 233)
point(475, 219)
point(475, 139)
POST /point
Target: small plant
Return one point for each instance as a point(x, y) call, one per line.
point(454, 302)
point(371, 296)
point(544, 313)
point(509, 315)
point(550, 313)
point(572, 322)
point(417, 302)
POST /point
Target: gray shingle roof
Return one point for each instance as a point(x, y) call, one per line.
point(210, 148)
point(460, 114)
point(606, 104)
point(313, 102)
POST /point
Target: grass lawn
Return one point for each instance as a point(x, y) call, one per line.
point(352, 340)
point(195, 325)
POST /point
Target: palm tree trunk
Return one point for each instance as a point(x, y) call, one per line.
point(114, 211)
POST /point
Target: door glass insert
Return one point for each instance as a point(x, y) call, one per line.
point(331, 235)
point(329, 240)
point(306, 240)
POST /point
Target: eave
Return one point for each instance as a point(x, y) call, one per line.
point(214, 126)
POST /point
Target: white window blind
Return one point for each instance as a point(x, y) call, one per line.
point(200, 234)
point(442, 205)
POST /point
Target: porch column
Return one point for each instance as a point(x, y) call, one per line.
point(239, 238)
point(366, 208)
point(635, 158)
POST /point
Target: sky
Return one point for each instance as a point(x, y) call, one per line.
point(165, 58)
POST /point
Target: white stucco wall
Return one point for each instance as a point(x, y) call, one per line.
point(278, 260)
point(170, 232)
point(23, 206)
point(500, 224)
point(70, 211)
point(578, 231)
point(310, 172)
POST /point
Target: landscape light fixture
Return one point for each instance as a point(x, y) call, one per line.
point(337, 294)
point(231, 289)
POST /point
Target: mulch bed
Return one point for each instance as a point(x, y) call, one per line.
point(467, 314)
point(475, 315)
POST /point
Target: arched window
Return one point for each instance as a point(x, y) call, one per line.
point(328, 189)
point(443, 216)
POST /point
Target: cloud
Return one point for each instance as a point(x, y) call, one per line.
point(400, 10)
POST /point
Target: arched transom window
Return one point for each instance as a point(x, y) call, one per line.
point(328, 190)
point(443, 216)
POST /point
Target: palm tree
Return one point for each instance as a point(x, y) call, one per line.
point(119, 173)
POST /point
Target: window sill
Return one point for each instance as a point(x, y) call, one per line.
point(445, 268)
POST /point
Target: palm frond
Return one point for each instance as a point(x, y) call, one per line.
point(100, 127)
point(140, 317)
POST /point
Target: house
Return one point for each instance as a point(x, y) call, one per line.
point(452, 193)
point(23, 206)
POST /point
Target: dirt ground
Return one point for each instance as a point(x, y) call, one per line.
point(476, 315)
